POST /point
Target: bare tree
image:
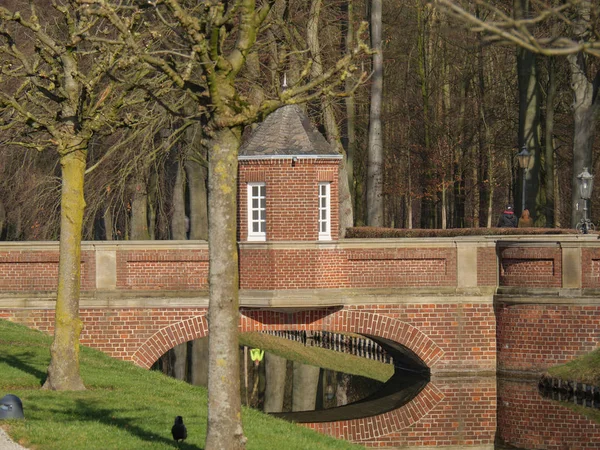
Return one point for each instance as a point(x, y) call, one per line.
point(61, 82)
point(210, 43)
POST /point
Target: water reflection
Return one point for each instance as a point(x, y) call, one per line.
point(458, 412)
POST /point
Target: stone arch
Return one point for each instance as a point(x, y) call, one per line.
point(168, 337)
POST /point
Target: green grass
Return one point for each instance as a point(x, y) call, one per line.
point(327, 359)
point(585, 369)
point(125, 407)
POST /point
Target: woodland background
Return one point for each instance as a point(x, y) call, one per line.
point(452, 118)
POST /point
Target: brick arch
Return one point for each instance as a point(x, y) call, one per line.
point(168, 337)
point(331, 319)
point(351, 321)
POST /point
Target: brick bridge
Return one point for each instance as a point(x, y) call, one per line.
point(463, 305)
point(468, 305)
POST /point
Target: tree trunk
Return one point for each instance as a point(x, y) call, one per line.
point(198, 220)
point(275, 370)
point(549, 143)
point(332, 130)
point(178, 221)
point(2, 218)
point(584, 111)
point(139, 210)
point(529, 122)
point(375, 149)
point(347, 21)
point(306, 381)
point(199, 372)
point(224, 403)
point(63, 371)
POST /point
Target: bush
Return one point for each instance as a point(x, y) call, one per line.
point(379, 232)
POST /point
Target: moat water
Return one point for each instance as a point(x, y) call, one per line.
point(415, 410)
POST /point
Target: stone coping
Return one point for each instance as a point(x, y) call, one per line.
point(305, 298)
point(563, 240)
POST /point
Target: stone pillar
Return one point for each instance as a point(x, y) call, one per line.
point(571, 266)
point(466, 264)
point(106, 269)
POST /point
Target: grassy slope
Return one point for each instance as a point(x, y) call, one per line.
point(125, 407)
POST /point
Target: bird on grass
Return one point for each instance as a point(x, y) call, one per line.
point(179, 431)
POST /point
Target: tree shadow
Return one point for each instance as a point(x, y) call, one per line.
point(19, 362)
point(85, 410)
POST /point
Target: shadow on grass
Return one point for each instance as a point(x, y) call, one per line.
point(86, 411)
point(19, 362)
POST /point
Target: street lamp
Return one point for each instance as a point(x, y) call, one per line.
point(586, 182)
point(524, 158)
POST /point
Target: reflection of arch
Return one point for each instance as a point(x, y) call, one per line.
point(167, 338)
point(368, 428)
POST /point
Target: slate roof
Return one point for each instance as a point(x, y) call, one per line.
point(286, 132)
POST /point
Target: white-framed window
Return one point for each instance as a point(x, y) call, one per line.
point(324, 211)
point(257, 212)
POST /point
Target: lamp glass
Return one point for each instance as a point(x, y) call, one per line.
point(524, 157)
point(586, 182)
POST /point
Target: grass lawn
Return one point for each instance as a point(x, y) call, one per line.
point(585, 369)
point(125, 407)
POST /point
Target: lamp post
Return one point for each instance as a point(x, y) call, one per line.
point(524, 158)
point(586, 182)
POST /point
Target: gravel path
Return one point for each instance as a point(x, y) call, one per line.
point(7, 444)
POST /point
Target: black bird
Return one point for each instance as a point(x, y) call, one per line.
point(179, 431)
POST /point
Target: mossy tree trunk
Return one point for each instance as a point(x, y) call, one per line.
point(224, 401)
point(63, 372)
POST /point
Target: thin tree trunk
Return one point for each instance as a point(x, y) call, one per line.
point(199, 372)
point(347, 21)
point(224, 402)
point(346, 219)
point(63, 371)
point(375, 152)
point(2, 218)
point(178, 222)
point(198, 221)
point(306, 380)
point(275, 367)
point(139, 210)
point(108, 223)
point(549, 142)
point(529, 121)
point(584, 107)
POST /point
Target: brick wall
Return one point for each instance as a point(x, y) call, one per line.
point(292, 196)
point(162, 269)
point(487, 271)
point(533, 337)
point(590, 267)
point(309, 268)
point(531, 266)
point(35, 270)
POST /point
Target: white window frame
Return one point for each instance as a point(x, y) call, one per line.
point(261, 234)
point(324, 211)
